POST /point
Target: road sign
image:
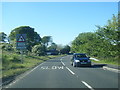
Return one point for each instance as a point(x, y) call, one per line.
point(21, 41)
point(21, 37)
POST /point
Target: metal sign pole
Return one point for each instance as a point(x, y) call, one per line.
point(21, 51)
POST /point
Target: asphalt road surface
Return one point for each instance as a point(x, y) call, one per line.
point(58, 73)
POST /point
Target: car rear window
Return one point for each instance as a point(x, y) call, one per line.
point(80, 56)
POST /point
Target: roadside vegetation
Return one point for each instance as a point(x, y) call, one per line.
point(37, 51)
point(12, 65)
point(103, 44)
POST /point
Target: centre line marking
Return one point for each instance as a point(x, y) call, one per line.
point(70, 71)
point(87, 85)
point(63, 63)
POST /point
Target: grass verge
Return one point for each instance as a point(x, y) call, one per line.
point(111, 61)
point(12, 65)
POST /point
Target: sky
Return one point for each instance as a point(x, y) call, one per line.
point(62, 20)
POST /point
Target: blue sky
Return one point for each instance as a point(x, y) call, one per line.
point(61, 20)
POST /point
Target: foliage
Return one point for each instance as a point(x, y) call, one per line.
point(39, 50)
point(53, 46)
point(32, 39)
point(12, 66)
point(59, 47)
point(103, 43)
point(46, 40)
point(65, 50)
point(7, 47)
point(3, 36)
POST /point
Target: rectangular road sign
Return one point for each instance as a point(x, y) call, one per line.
point(21, 41)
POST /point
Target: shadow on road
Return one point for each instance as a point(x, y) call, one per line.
point(98, 65)
point(93, 66)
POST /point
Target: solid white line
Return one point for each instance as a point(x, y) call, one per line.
point(32, 70)
point(87, 85)
point(23, 75)
point(70, 71)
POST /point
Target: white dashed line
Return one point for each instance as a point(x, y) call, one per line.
point(70, 71)
point(63, 63)
point(67, 67)
point(87, 85)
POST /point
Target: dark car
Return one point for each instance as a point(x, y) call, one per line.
point(80, 59)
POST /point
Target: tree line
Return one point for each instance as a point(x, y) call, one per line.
point(35, 45)
point(104, 42)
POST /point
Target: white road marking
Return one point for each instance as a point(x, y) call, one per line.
point(33, 69)
point(111, 69)
point(94, 59)
point(70, 70)
point(23, 76)
point(67, 67)
point(63, 63)
point(87, 85)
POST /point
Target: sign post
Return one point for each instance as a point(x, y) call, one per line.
point(21, 44)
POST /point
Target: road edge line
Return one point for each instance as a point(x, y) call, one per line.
point(20, 76)
point(111, 69)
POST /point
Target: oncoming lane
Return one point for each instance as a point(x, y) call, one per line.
point(95, 76)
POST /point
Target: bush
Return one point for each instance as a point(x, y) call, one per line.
point(5, 59)
point(16, 66)
point(39, 50)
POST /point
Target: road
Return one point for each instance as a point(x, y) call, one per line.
point(58, 73)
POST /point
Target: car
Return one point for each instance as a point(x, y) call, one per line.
point(80, 59)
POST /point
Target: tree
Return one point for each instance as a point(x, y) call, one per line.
point(32, 39)
point(85, 43)
point(104, 42)
point(65, 50)
point(39, 50)
point(46, 40)
point(110, 34)
point(53, 46)
point(3, 36)
point(59, 47)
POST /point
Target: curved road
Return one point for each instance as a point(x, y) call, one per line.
point(58, 73)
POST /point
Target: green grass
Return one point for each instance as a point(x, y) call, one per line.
point(12, 65)
point(112, 61)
